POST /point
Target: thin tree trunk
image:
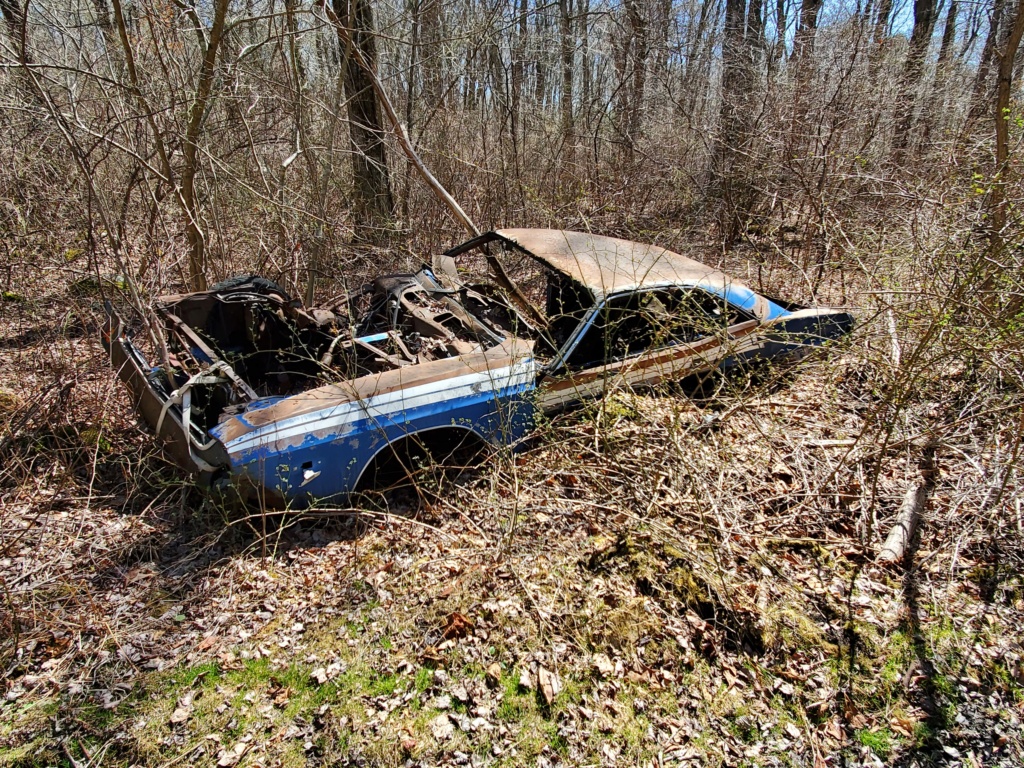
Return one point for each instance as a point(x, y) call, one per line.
point(583, 32)
point(17, 28)
point(780, 30)
point(980, 97)
point(948, 37)
point(697, 67)
point(566, 51)
point(518, 71)
point(637, 68)
point(1004, 86)
point(11, 11)
point(185, 190)
point(430, 35)
point(803, 40)
point(374, 204)
point(755, 27)
point(190, 151)
point(540, 65)
point(913, 67)
point(881, 33)
point(936, 107)
point(410, 96)
point(732, 119)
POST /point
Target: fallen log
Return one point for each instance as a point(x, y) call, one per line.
point(896, 544)
point(902, 531)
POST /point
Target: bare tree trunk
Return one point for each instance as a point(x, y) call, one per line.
point(980, 97)
point(881, 33)
point(1004, 86)
point(583, 32)
point(641, 51)
point(803, 40)
point(540, 65)
point(696, 71)
point(190, 151)
point(373, 204)
point(780, 29)
point(913, 67)
point(14, 19)
point(948, 36)
point(936, 107)
point(410, 95)
point(755, 27)
point(515, 109)
point(566, 51)
point(518, 68)
point(732, 119)
point(430, 35)
point(661, 25)
point(803, 56)
point(11, 11)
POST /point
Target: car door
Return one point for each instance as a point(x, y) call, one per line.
point(640, 339)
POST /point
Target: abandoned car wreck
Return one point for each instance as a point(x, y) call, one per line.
point(293, 406)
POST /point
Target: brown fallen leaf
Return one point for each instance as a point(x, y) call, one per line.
point(457, 625)
point(603, 664)
point(281, 696)
point(550, 684)
point(231, 756)
point(494, 674)
point(526, 679)
point(183, 711)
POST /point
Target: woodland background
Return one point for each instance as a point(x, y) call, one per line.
point(657, 580)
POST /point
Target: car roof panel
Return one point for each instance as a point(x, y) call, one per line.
point(608, 265)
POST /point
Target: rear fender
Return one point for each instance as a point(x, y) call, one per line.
point(312, 455)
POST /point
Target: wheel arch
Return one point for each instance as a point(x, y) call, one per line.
point(453, 435)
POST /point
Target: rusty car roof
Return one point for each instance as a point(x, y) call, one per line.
point(607, 265)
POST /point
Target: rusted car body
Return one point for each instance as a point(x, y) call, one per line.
point(295, 406)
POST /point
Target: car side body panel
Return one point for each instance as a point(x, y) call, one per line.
point(316, 445)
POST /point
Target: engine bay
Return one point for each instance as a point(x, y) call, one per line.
point(267, 345)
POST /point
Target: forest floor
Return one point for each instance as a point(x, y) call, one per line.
point(655, 580)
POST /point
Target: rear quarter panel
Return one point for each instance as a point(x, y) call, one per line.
point(316, 445)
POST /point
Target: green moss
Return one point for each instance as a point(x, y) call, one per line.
point(252, 674)
point(515, 706)
point(879, 741)
point(209, 674)
point(423, 680)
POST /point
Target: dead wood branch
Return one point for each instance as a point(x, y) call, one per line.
point(914, 502)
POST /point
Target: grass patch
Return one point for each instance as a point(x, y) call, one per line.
point(516, 705)
point(878, 741)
